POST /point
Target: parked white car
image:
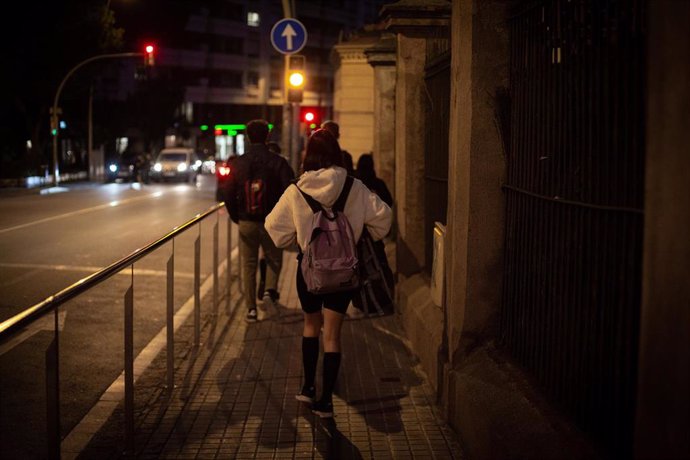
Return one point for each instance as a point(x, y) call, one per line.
point(179, 163)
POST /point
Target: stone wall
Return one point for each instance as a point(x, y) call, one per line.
point(663, 405)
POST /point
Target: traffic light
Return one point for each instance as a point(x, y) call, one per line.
point(296, 77)
point(311, 118)
point(149, 49)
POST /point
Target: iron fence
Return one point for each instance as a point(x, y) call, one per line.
point(574, 204)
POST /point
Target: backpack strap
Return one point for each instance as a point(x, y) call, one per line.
point(313, 204)
point(338, 206)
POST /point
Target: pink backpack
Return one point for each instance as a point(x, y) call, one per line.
point(329, 263)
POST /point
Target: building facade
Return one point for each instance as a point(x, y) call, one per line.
point(220, 54)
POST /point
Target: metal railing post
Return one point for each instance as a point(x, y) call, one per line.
point(240, 275)
point(228, 266)
point(215, 265)
point(170, 347)
point(53, 393)
point(197, 288)
point(129, 368)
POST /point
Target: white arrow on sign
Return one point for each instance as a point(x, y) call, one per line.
point(288, 33)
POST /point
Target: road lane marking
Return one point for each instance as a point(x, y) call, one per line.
point(85, 268)
point(93, 421)
point(47, 322)
point(19, 279)
point(79, 212)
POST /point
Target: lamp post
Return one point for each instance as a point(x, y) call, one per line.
point(54, 118)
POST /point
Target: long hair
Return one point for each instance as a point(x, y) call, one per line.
point(323, 151)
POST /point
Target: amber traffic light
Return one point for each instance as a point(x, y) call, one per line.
point(296, 77)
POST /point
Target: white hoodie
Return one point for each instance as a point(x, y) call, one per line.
point(291, 218)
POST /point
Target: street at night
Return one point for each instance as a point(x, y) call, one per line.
point(345, 229)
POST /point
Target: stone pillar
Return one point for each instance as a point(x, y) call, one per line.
point(353, 104)
point(476, 210)
point(414, 22)
point(381, 57)
point(663, 405)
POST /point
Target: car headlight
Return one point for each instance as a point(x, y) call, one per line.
point(158, 167)
point(182, 167)
point(113, 168)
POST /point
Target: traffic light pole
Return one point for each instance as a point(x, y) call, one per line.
point(54, 119)
point(290, 134)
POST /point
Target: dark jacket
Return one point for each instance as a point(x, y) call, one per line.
point(376, 185)
point(278, 172)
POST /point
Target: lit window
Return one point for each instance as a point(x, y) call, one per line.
point(253, 19)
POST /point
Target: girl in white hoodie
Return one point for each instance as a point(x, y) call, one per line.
point(290, 222)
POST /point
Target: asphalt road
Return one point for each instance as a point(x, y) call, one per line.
point(48, 242)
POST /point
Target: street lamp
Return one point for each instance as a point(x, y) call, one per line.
point(54, 114)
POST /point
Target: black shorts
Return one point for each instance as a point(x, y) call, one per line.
point(311, 303)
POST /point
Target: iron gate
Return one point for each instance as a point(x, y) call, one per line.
point(574, 199)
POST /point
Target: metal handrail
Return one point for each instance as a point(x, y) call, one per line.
point(33, 313)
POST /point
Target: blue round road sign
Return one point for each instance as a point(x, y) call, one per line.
point(288, 36)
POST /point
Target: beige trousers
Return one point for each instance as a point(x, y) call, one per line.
point(252, 236)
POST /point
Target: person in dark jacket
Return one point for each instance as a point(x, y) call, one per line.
point(367, 174)
point(257, 180)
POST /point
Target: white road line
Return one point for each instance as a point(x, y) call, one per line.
point(92, 422)
point(88, 269)
point(79, 212)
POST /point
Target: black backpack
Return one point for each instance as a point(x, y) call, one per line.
point(376, 295)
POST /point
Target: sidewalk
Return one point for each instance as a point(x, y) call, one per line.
point(234, 396)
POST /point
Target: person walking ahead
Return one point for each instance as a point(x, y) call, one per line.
point(291, 221)
point(334, 129)
point(257, 180)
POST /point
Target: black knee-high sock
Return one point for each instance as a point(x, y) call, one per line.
point(331, 364)
point(310, 356)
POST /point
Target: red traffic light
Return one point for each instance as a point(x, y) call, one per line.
point(149, 49)
point(311, 115)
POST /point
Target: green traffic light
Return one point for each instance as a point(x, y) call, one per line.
point(233, 128)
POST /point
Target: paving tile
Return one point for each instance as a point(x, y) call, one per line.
point(237, 397)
